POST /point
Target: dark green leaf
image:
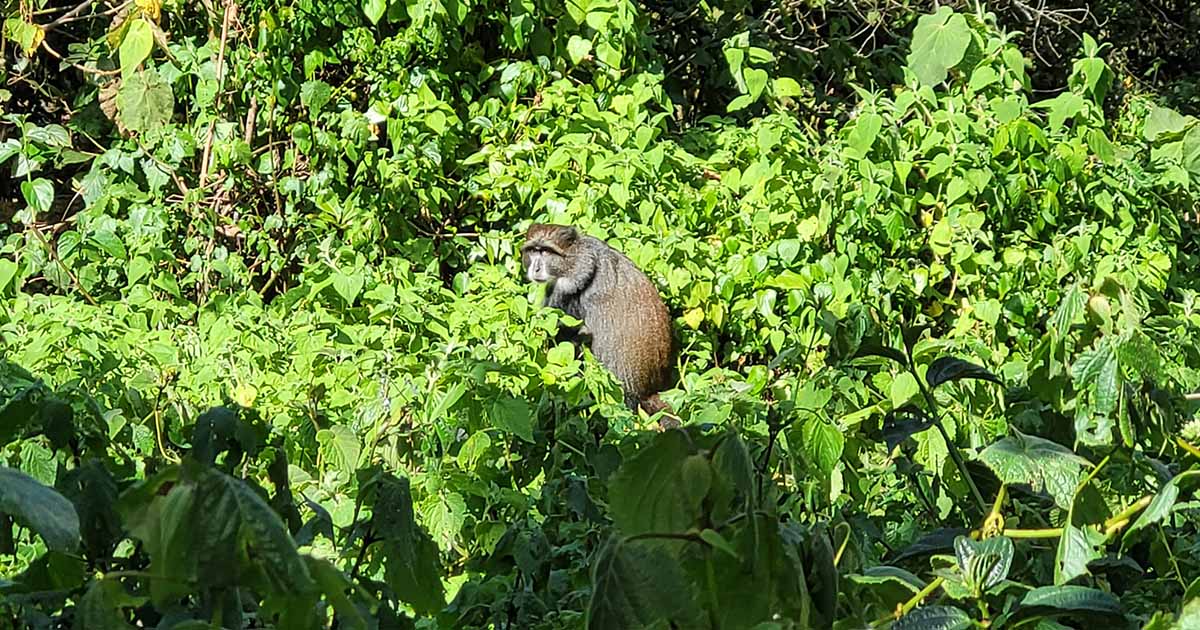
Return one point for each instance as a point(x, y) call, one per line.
point(637, 585)
point(1050, 601)
point(650, 492)
point(144, 101)
point(41, 509)
point(985, 563)
point(901, 424)
point(1162, 503)
point(934, 618)
point(947, 369)
point(939, 43)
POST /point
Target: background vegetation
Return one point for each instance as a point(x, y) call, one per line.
point(269, 361)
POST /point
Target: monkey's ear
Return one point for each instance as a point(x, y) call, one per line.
point(568, 234)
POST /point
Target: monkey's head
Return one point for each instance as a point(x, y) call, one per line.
point(545, 251)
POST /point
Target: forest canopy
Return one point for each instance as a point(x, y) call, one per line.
point(268, 357)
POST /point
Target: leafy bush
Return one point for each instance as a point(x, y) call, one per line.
point(270, 360)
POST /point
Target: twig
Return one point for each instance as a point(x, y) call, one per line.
point(66, 17)
point(96, 71)
point(1192, 397)
point(230, 12)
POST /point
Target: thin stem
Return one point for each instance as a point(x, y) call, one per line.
point(951, 447)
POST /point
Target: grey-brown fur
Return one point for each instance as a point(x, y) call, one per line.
point(620, 308)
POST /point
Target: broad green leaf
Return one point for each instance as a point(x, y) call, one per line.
point(39, 194)
point(239, 530)
point(514, 416)
point(348, 285)
point(934, 618)
point(900, 424)
point(948, 369)
point(822, 443)
point(1108, 384)
point(335, 585)
point(374, 9)
point(1052, 601)
point(101, 605)
point(1069, 311)
point(411, 563)
point(1076, 548)
point(786, 86)
point(1064, 107)
point(1160, 506)
point(8, 271)
point(636, 585)
point(144, 101)
point(985, 563)
point(314, 94)
point(939, 43)
point(863, 133)
point(1163, 120)
point(903, 388)
point(578, 48)
point(340, 448)
point(650, 492)
point(39, 508)
point(1038, 462)
point(136, 46)
point(756, 81)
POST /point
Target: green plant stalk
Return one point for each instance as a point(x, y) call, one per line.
point(951, 447)
point(912, 602)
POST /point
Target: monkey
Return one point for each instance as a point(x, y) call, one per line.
point(625, 321)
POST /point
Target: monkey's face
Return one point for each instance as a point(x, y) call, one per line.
point(540, 263)
point(544, 253)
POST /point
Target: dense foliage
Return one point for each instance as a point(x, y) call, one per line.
point(269, 359)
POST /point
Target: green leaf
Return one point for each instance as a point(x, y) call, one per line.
point(1108, 384)
point(900, 424)
point(939, 43)
point(1077, 546)
point(650, 492)
point(411, 564)
point(786, 86)
point(1087, 367)
point(315, 94)
point(578, 48)
point(637, 585)
point(136, 46)
point(39, 508)
point(863, 133)
point(934, 618)
point(340, 448)
point(1053, 601)
point(1163, 120)
point(948, 369)
point(8, 271)
point(144, 101)
point(347, 285)
point(374, 9)
point(822, 443)
point(1035, 461)
point(39, 194)
point(716, 541)
point(903, 388)
point(335, 585)
point(102, 603)
point(513, 415)
point(1161, 504)
point(756, 81)
point(985, 563)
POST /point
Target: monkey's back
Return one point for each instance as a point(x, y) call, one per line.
point(628, 321)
